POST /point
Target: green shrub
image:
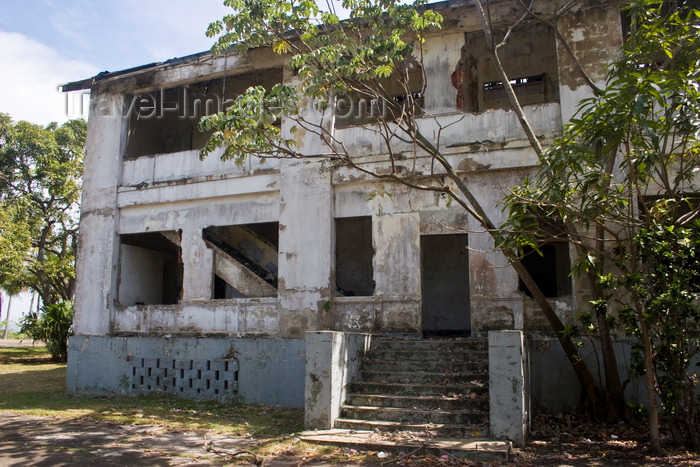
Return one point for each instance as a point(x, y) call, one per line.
point(52, 326)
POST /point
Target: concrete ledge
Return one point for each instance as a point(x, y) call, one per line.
point(332, 360)
point(508, 386)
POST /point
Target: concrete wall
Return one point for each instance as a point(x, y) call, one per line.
point(141, 275)
point(553, 383)
point(554, 387)
point(267, 371)
point(96, 274)
point(178, 192)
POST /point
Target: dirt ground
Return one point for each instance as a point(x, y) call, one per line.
point(46, 441)
point(27, 440)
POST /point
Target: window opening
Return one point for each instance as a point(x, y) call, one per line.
point(367, 107)
point(525, 86)
point(550, 269)
point(529, 56)
point(151, 269)
point(245, 259)
point(165, 120)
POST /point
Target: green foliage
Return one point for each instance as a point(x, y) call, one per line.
point(623, 178)
point(667, 286)
point(40, 181)
point(330, 57)
point(648, 114)
point(52, 326)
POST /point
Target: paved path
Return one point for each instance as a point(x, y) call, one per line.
point(19, 343)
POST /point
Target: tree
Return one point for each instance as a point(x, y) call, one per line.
point(513, 234)
point(370, 56)
point(624, 179)
point(40, 185)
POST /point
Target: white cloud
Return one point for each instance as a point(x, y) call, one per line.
point(30, 75)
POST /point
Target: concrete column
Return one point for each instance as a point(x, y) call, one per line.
point(332, 361)
point(396, 241)
point(508, 386)
point(98, 249)
point(441, 54)
point(595, 35)
point(198, 266)
point(305, 246)
point(495, 301)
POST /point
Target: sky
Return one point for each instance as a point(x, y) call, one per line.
point(46, 43)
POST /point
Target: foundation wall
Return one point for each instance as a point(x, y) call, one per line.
point(251, 371)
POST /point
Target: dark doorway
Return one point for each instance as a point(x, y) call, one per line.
point(445, 285)
point(353, 256)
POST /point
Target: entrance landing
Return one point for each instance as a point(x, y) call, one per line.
point(413, 443)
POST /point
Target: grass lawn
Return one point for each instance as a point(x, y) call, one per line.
point(31, 384)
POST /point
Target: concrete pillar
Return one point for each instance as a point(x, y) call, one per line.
point(306, 220)
point(595, 35)
point(441, 54)
point(98, 249)
point(332, 361)
point(396, 241)
point(508, 386)
point(198, 266)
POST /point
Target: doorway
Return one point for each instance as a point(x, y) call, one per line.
point(445, 285)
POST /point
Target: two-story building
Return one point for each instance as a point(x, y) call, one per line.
point(202, 278)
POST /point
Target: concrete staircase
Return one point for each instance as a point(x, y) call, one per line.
point(438, 386)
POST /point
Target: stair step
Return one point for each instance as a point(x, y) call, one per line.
point(431, 402)
point(443, 430)
point(457, 344)
point(428, 356)
point(406, 389)
point(394, 414)
point(423, 377)
point(437, 366)
point(438, 386)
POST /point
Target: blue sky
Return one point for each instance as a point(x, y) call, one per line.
point(45, 43)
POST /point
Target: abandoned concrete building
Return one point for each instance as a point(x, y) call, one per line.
point(267, 283)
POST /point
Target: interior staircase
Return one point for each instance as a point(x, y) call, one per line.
point(438, 386)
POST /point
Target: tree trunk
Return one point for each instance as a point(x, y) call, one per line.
point(654, 437)
point(582, 372)
point(7, 323)
point(614, 396)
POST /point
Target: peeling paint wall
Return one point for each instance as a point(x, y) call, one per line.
point(595, 35)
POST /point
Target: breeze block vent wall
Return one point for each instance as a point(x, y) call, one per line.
point(200, 379)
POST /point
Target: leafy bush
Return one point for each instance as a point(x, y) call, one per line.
point(668, 287)
point(52, 326)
